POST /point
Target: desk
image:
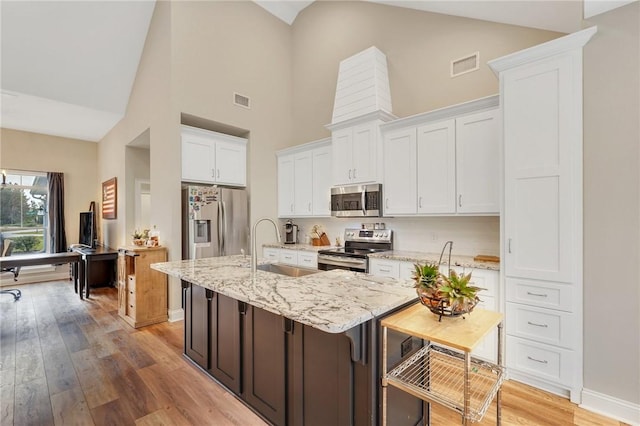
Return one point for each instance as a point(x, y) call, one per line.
point(99, 267)
point(75, 259)
point(451, 378)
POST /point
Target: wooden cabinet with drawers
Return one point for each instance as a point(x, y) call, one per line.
point(142, 291)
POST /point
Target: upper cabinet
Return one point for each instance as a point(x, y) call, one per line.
point(213, 158)
point(304, 180)
point(443, 162)
point(357, 149)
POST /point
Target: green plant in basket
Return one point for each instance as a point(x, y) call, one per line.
point(459, 293)
point(428, 280)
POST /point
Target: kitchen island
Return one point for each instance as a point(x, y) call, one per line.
point(298, 351)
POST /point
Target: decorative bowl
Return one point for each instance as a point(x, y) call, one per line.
point(138, 242)
point(442, 307)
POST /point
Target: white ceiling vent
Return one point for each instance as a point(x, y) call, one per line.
point(465, 64)
point(241, 100)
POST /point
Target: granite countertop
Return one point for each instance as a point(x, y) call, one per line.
point(415, 256)
point(332, 301)
point(304, 247)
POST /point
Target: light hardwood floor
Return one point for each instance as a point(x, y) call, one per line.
point(65, 361)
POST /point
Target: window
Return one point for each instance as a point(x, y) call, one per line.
point(23, 211)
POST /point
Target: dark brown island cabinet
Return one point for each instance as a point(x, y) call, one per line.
point(290, 373)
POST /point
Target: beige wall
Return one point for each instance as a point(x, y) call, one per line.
point(612, 205)
point(75, 158)
point(419, 47)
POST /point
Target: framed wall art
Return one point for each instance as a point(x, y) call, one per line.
point(110, 199)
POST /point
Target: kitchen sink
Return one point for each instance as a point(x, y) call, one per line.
point(289, 271)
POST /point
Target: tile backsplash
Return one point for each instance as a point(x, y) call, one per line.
point(470, 235)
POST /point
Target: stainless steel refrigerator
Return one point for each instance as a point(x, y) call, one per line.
point(215, 221)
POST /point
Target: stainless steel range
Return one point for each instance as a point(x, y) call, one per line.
point(358, 244)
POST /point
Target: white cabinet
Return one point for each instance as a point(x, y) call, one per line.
point(288, 257)
point(321, 191)
point(302, 258)
point(304, 186)
point(478, 163)
point(444, 166)
point(271, 254)
point(308, 259)
point(384, 268)
point(357, 149)
point(541, 91)
point(211, 157)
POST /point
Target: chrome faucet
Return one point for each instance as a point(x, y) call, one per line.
point(254, 251)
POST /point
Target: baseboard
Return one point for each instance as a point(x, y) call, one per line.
point(176, 315)
point(609, 406)
point(7, 280)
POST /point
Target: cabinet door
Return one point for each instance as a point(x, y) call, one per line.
point(271, 253)
point(364, 153)
point(265, 364)
point(288, 257)
point(341, 148)
point(539, 136)
point(196, 327)
point(198, 159)
point(384, 268)
point(308, 259)
point(436, 154)
point(322, 181)
point(302, 184)
point(231, 163)
point(478, 163)
point(285, 185)
point(224, 327)
point(399, 169)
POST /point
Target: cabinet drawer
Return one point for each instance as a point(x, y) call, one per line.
point(542, 361)
point(271, 253)
point(541, 325)
point(384, 268)
point(407, 270)
point(289, 257)
point(131, 283)
point(540, 293)
point(308, 260)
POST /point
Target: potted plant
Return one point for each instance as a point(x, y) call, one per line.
point(140, 237)
point(452, 295)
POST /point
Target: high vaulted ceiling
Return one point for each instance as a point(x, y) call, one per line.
point(68, 66)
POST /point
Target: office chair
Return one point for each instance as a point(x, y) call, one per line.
point(8, 248)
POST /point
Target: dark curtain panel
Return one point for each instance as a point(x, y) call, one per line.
point(57, 234)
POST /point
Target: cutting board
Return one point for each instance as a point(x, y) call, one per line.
point(486, 258)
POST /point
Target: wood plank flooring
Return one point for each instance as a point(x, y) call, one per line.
point(64, 361)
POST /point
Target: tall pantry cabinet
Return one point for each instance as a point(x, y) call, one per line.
point(541, 97)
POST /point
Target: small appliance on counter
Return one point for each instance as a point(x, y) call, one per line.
point(290, 233)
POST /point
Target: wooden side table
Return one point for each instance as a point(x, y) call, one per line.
point(443, 371)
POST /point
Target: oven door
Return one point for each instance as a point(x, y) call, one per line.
point(327, 262)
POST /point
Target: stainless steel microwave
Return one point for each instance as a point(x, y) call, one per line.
point(357, 201)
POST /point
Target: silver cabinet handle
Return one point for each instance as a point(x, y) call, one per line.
point(213, 173)
point(385, 270)
point(460, 200)
point(386, 203)
point(536, 294)
point(537, 325)
point(349, 174)
point(218, 173)
point(509, 245)
point(537, 360)
point(354, 173)
point(309, 207)
point(291, 206)
point(420, 202)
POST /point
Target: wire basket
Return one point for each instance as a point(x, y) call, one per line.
point(441, 307)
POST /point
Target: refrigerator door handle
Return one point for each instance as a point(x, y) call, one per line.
point(223, 251)
point(219, 223)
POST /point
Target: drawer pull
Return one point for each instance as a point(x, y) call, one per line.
point(536, 294)
point(537, 325)
point(544, 361)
